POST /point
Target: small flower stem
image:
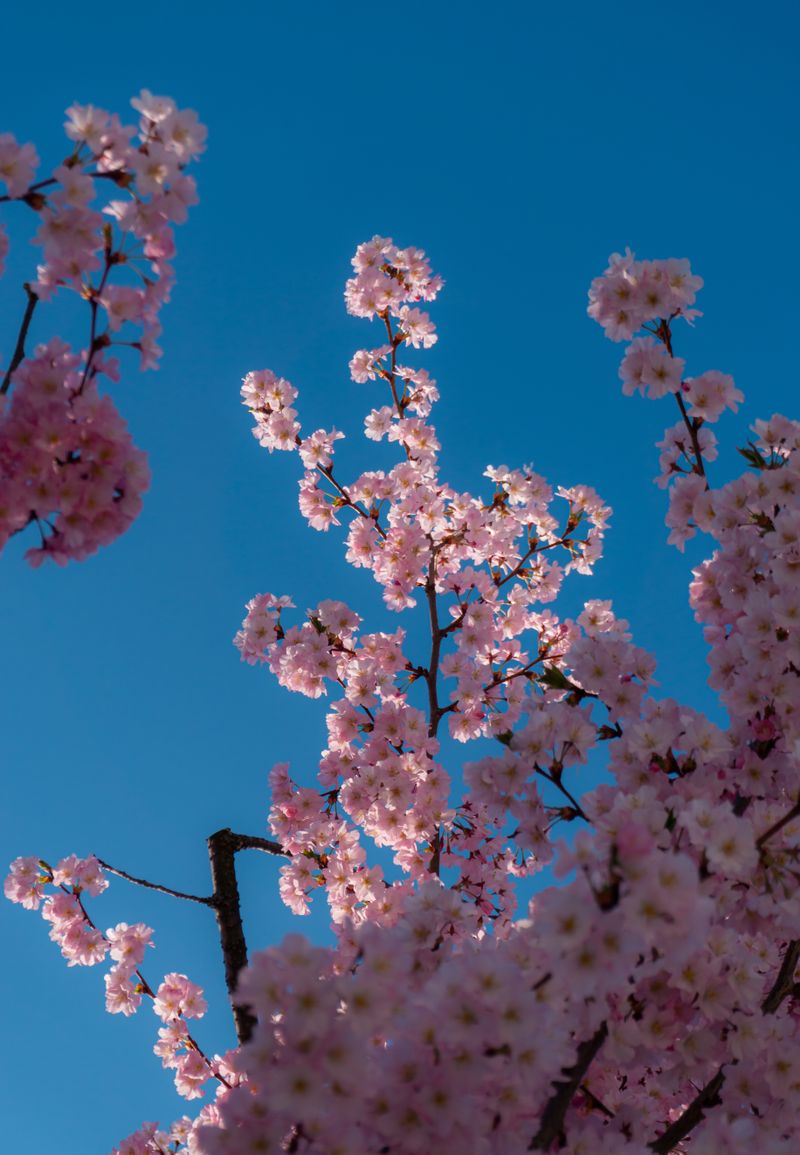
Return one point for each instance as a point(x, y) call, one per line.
point(692, 427)
point(579, 811)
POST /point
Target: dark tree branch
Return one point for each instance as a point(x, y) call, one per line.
point(596, 1103)
point(692, 427)
point(253, 842)
point(551, 1127)
point(784, 983)
point(778, 826)
point(432, 672)
point(19, 351)
point(222, 848)
point(694, 1113)
point(708, 1096)
point(154, 886)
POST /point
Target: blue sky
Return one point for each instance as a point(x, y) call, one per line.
point(518, 144)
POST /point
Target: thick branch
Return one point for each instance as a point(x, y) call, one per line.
point(694, 1113)
point(708, 1096)
point(222, 848)
point(19, 351)
point(221, 851)
point(552, 1123)
point(784, 983)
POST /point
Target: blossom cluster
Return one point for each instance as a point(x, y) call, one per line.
point(631, 293)
point(67, 463)
point(484, 566)
point(174, 1001)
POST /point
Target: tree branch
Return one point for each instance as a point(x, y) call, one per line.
point(694, 1113)
point(551, 1127)
point(19, 351)
point(432, 672)
point(253, 842)
point(784, 983)
point(708, 1096)
point(154, 886)
point(222, 848)
point(692, 428)
point(778, 826)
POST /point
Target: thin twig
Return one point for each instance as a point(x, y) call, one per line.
point(253, 842)
point(699, 467)
point(154, 886)
point(432, 672)
point(549, 777)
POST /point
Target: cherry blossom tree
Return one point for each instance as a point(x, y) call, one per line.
point(648, 1003)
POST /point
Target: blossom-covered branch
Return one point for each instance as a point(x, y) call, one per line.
point(67, 462)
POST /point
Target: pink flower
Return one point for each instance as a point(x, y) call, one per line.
point(710, 394)
point(25, 883)
point(87, 123)
point(18, 163)
point(417, 328)
point(178, 997)
point(122, 995)
point(647, 366)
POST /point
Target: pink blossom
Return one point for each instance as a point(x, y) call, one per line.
point(18, 163)
point(648, 367)
point(177, 996)
point(25, 883)
point(417, 327)
point(710, 394)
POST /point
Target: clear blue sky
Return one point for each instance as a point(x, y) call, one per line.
point(519, 144)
